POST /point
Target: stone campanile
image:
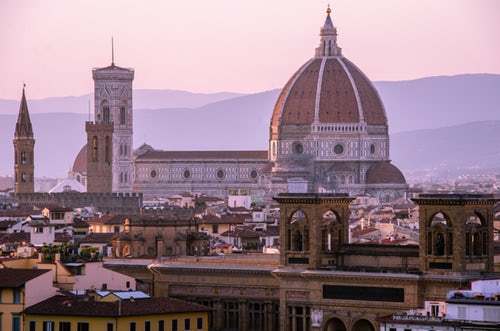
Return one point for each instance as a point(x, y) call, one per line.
point(113, 106)
point(24, 144)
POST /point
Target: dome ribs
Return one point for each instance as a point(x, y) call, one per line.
point(337, 100)
point(300, 103)
point(373, 108)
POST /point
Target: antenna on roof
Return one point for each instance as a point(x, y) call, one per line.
point(112, 52)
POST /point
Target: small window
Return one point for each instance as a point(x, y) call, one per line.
point(253, 174)
point(298, 148)
point(338, 149)
point(66, 326)
point(153, 173)
point(127, 284)
point(95, 149)
point(199, 323)
point(435, 310)
point(32, 326)
point(132, 326)
point(16, 296)
point(147, 326)
point(187, 173)
point(175, 327)
point(372, 148)
point(109, 327)
point(104, 286)
point(161, 325)
point(187, 324)
point(123, 116)
point(16, 323)
point(47, 326)
point(82, 326)
point(221, 174)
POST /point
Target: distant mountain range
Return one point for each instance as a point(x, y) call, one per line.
point(451, 121)
point(143, 99)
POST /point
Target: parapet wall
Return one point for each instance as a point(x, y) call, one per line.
point(125, 203)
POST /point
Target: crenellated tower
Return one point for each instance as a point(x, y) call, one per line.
point(24, 144)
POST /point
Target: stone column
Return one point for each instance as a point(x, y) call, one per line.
point(243, 311)
point(218, 315)
point(458, 224)
point(283, 234)
point(314, 238)
point(268, 316)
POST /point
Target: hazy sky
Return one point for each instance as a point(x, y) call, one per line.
point(236, 45)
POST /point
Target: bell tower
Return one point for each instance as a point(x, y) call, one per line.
point(24, 144)
point(456, 232)
point(113, 113)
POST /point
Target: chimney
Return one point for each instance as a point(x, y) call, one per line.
point(119, 307)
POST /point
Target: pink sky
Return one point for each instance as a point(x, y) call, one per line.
point(242, 46)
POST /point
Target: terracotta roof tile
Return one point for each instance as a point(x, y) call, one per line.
point(84, 306)
point(97, 238)
point(17, 277)
point(203, 155)
point(384, 173)
point(14, 238)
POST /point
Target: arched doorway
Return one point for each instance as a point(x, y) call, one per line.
point(363, 325)
point(335, 324)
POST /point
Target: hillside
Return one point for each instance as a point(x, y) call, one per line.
point(416, 109)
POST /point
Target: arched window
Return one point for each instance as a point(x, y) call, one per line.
point(24, 158)
point(125, 177)
point(440, 236)
point(106, 116)
point(24, 177)
point(298, 233)
point(95, 149)
point(123, 115)
point(121, 150)
point(476, 236)
point(125, 150)
point(15, 157)
point(331, 232)
point(121, 177)
point(107, 149)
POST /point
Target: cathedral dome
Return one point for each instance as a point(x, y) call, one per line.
point(328, 89)
point(80, 164)
point(384, 173)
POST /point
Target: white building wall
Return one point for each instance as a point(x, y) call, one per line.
point(39, 288)
point(40, 238)
point(95, 275)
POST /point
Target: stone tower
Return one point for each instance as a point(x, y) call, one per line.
point(456, 232)
point(24, 144)
point(99, 157)
point(113, 106)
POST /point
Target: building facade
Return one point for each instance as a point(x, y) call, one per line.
point(328, 133)
point(121, 312)
point(320, 281)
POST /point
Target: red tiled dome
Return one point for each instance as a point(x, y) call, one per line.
point(384, 173)
point(328, 89)
point(332, 90)
point(80, 164)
